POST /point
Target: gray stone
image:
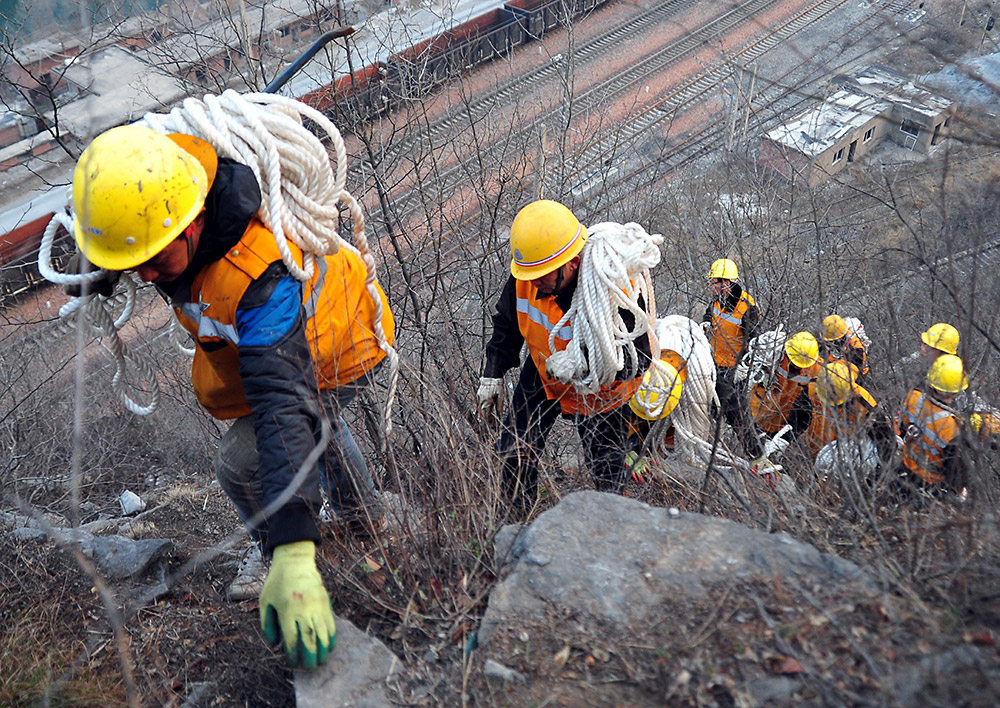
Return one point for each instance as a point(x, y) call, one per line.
point(117, 557)
point(768, 690)
point(622, 562)
point(965, 675)
point(355, 674)
point(496, 670)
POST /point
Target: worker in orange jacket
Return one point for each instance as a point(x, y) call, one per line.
point(546, 241)
point(934, 447)
point(840, 343)
point(841, 408)
point(786, 400)
point(279, 356)
point(730, 322)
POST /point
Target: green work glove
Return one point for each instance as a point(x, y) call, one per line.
point(295, 606)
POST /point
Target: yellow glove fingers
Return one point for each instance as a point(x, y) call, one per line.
point(295, 607)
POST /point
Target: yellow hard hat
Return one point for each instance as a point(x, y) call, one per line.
point(723, 269)
point(544, 236)
point(835, 382)
point(941, 336)
point(658, 393)
point(134, 191)
point(834, 327)
point(947, 374)
point(802, 349)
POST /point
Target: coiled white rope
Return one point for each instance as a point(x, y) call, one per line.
point(97, 316)
point(302, 193)
point(614, 274)
point(691, 420)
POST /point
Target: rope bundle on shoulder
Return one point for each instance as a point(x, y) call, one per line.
point(614, 275)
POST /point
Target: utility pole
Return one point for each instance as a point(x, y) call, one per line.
point(746, 117)
point(734, 105)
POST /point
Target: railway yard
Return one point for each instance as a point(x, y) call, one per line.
point(645, 110)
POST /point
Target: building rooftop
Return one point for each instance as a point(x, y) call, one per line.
point(113, 86)
point(817, 129)
point(886, 84)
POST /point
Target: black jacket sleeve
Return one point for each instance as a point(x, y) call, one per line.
point(751, 324)
point(955, 466)
point(281, 388)
point(503, 351)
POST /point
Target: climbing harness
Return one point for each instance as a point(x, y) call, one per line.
point(303, 195)
point(614, 275)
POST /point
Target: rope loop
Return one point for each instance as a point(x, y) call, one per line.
point(614, 276)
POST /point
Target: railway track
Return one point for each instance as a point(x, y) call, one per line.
point(590, 98)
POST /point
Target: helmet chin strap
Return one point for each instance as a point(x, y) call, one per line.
point(559, 281)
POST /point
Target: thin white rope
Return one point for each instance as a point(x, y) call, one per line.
point(302, 193)
point(614, 275)
point(97, 317)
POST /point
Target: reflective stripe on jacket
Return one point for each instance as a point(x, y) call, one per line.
point(726, 335)
point(338, 311)
point(536, 318)
point(933, 430)
point(771, 406)
point(827, 423)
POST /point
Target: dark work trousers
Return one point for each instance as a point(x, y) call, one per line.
point(347, 481)
point(736, 409)
point(526, 427)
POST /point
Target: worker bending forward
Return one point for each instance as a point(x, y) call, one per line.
point(547, 247)
point(934, 451)
point(186, 220)
point(784, 400)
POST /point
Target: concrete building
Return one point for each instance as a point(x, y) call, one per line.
point(822, 141)
point(871, 106)
point(920, 118)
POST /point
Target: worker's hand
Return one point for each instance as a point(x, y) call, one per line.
point(777, 444)
point(638, 465)
point(295, 608)
point(102, 283)
point(706, 327)
point(489, 395)
point(763, 467)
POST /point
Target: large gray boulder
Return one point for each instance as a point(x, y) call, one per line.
point(621, 563)
point(606, 601)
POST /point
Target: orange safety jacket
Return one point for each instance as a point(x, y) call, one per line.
point(338, 312)
point(726, 336)
point(927, 429)
point(536, 318)
point(856, 344)
point(827, 422)
point(771, 406)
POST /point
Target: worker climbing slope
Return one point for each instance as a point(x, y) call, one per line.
point(731, 321)
point(780, 396)
point(674, 399)
point(553, 303)
point(283, 340)
point(840, 342)
point(934, 449)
